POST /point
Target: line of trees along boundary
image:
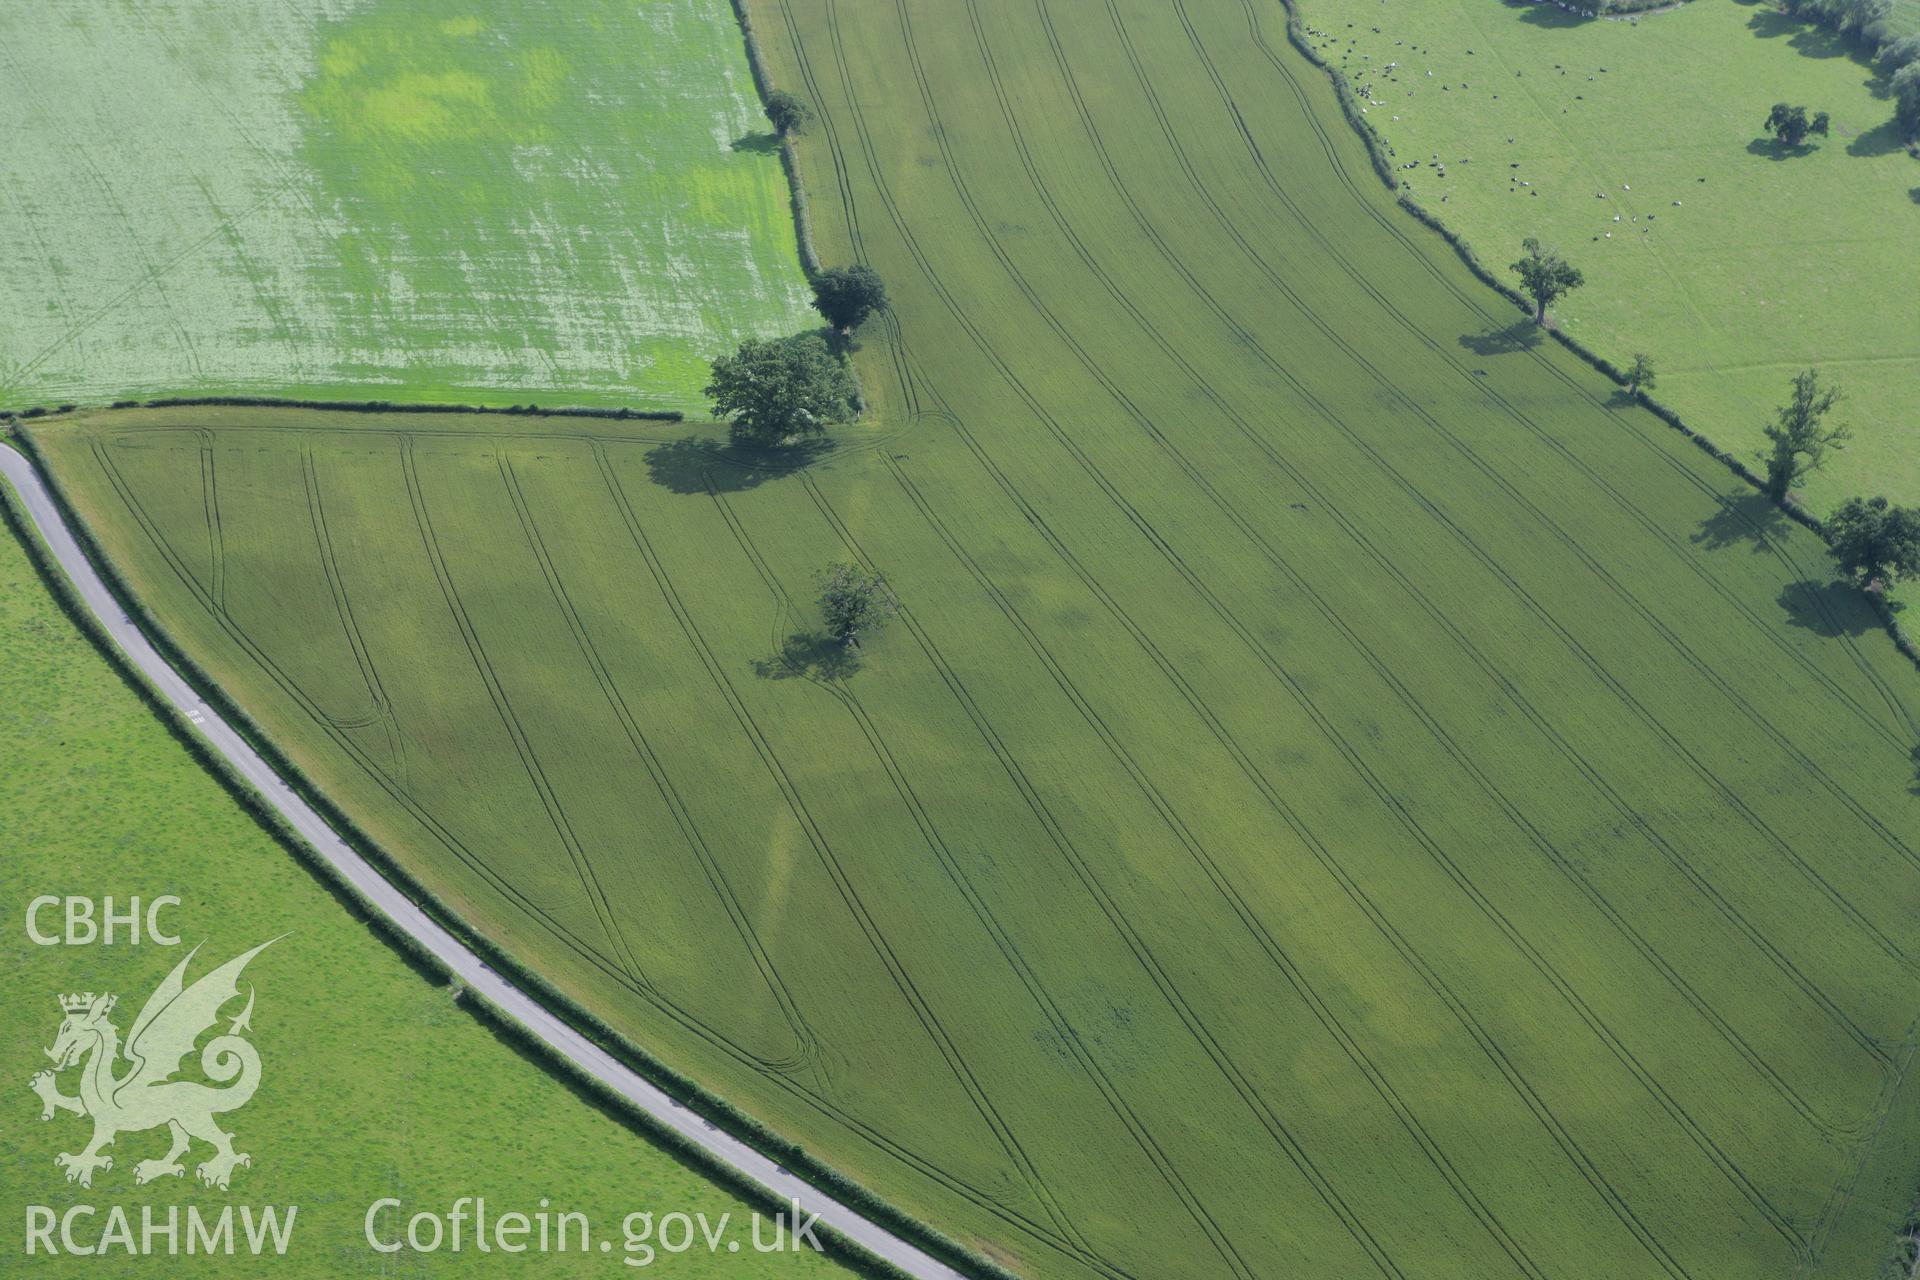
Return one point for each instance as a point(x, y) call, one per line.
point(1382, 166)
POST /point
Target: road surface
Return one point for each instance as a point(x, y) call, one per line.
point(506, 997)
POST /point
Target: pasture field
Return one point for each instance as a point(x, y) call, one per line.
point(1766, 264)
point(482, 202)
point(375, 1082)
point(1347, 794)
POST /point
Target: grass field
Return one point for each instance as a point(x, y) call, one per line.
point(375, 1082)
point(1347, 795)
point(477, 201)
point(1733, 265)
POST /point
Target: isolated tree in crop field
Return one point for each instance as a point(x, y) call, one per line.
point(1872, 539)
point(1906, 100)
point(774, 390)
point(846, 296)
point(1640, 374)
point(1791, 125)
point(1800, 441)
point(789, 115)
point(855, 601)
point(1546, 277)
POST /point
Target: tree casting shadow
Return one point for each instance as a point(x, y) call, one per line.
point(764, 144)
point(1748, 517)
point(695, 464)
point(1831, 609)
point(1521, 335)
point(809, 655)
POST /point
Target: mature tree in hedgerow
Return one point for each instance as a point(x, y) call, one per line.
point(1799, 440)
point(846, 296)
point(774, 390)
point(1906, 100)
point(1640, 374)
point(1545, 276)
point(1873, 539)
point(789, 115)
point(855, 601)
point(1903, 52)
point(1791, 125)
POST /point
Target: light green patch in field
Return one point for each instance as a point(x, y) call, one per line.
point(482, 202)
point(1733, 264)
point(374, 1081)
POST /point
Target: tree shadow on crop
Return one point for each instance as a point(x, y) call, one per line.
point(1750, 518)
point(702, 464)
point(809, 655)
point(762, 144)
point(1831, 609)
point(1521, 335)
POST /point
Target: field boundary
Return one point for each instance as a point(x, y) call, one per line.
point(796, 192)
point(1377, 153)
point(359, 406)
point(710, 1106)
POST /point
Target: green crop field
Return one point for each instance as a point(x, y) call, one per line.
point(1733, 265)
point(370, 1072)
point(474, 201)
point(1347, 794)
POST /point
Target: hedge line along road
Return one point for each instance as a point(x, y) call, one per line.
point(553, 1031)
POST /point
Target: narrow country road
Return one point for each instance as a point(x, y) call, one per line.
point(515, 1003)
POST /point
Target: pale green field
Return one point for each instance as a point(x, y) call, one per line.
point(401, 199)
point(1765, 265)
point(374, 1081)
point(1349, 794)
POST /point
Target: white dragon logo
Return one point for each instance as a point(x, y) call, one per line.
point(146, 1097)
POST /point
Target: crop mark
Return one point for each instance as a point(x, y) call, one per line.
point(434, 827)
point(816, 838)
point(496, 690)
point(1699, 1137)
point(1841, 901)
point(785, 614)
point(808, 1052)
point(382, 712)
point(1513, 811)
